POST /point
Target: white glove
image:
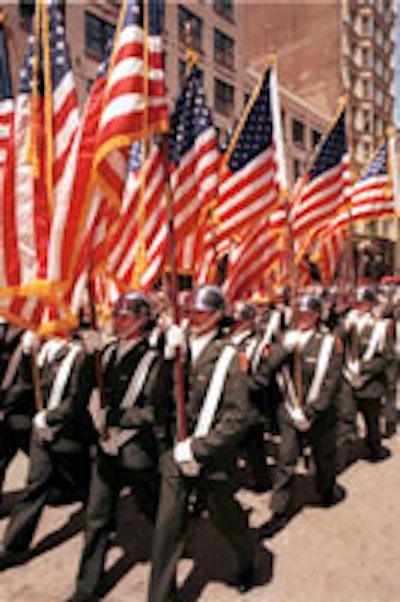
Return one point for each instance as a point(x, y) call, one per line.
point(291, 339)
point(299, 419)
point(99, 418)
point(92, 340)
point(183, 456)
point(44, 431)
point(354, 367)
point(30, 342)
point(98, 414)
point(174, 339)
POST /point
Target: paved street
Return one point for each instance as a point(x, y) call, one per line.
point(349, 553)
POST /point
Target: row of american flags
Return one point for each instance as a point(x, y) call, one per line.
point(88, 193)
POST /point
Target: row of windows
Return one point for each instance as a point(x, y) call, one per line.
point(298, 133)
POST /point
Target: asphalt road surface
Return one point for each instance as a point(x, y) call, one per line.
point(348, 553)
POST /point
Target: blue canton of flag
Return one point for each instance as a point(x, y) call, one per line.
point(60, 61)
point(378, 166)
point(191, 117)
point(135, 157)
point(134, 15)
point(333, 149)
point(5, 77)
point(25, 83)
point(256, 134)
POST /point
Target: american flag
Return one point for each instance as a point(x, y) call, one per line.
point(372, 195)
point(134, 105)
point(83, 242)
point(6, 103)
point(194, 156)
point(259, 253)
point(37, 177)
point(146, 177)
point(249, 188)
point(326, 188)
point(329, 247)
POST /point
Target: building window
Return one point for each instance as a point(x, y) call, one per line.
point(224, 8)
point(97, 34)
point(224, 97)
point(26, 11)
point(367, 122)
point(298, 132)
point(224, 49)
point(297, 169)
point(316, 137)
point(186, 16)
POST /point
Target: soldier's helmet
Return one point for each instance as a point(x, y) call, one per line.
point(133, 302)
point(209, 298)
point(366, 294)
point(244, 311)
point(309, 303)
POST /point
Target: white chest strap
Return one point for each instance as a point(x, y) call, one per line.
point(214, 391)
point(62, 376)
point(324, 356)
point(286, 385)
point(138, 379)
point(376, 341)
point(397, 338)
point(12, 367)
point(118, 437)
point(271, 329)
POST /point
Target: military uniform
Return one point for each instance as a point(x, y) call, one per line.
point(320, 372)
point(252, 347)
point(368, 355)
point(59, 451)
point(215, 452)
point(137, 386)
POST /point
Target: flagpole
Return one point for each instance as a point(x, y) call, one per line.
point(173, 293)
point(179, 384)
point(141, 262)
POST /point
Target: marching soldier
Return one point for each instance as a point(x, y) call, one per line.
point(16, 397)
point(136, 387)
point(249, 345)
point(308, 368)
point(368, 353)
point(217, 414)
point(61, 435)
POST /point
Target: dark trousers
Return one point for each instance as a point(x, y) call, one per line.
point(225, 512)
point(108, 476)
point(322, 438)
point(254, 446)
point(51, 470)
point(11, 440)
point(371, 411)
point(346, 409)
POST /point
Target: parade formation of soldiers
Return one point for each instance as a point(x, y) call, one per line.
point(98, 411)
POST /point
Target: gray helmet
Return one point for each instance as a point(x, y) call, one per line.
point(244, 311)
point(133, 302)
point(310, 303)
point(366, 293)
point(209, 298)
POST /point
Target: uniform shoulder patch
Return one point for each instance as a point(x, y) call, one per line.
point(243, 362)
point(266, 351)
point(339, 347)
